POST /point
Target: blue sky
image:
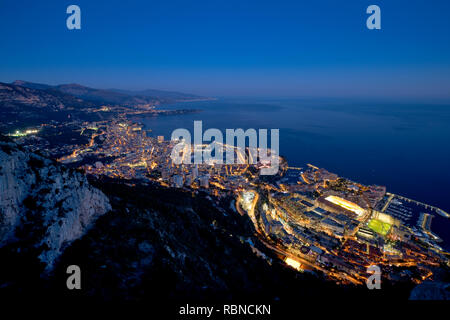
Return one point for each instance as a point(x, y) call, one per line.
point(261, 48)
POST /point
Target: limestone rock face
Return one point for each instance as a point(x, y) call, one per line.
point(43, 203)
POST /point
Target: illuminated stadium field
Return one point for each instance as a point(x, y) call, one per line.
point(379, 227)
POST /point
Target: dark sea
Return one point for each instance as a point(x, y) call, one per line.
point(403, 146)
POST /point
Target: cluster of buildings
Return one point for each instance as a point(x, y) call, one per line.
point(312, 218)
point(340, 227)
point(123, 149)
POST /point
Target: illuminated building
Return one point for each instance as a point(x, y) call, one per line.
point(348, 205)
point(177, 181)
point(189, 180)
point(293, 263)
point(204, 181)
point(19, 133)
point(195, 172)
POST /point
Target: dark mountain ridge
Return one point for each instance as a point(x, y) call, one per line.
point(28, 104)
point(112, 96)
point(160, 94)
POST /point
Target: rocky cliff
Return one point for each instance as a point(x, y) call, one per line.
point(43, 205)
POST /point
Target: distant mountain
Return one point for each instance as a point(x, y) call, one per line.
point(160, 94)
point(113, 96)
point(93, 95)
point(31, 85)
point(23, 98)
point(27, 106)
point(25, 103)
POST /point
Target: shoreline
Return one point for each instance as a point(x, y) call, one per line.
point(189, 100)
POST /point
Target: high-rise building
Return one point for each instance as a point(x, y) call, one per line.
point(204, 181)
point(177, 181)
point(195, 172)
point(189, 180)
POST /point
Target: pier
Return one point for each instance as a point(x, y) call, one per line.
point(427, 206)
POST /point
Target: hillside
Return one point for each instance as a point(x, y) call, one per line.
point(113, 96)
point(43, 206)
point(25, 104)
point(153, 243)
point(169, 96)
point(16, 98)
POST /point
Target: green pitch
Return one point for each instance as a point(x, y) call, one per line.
point(379, 227)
